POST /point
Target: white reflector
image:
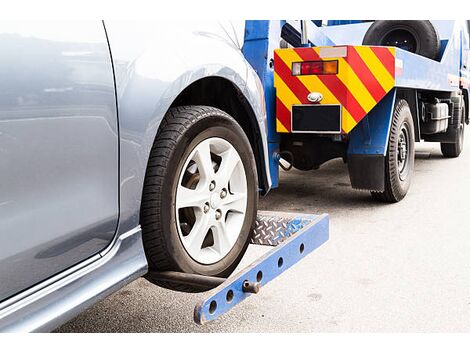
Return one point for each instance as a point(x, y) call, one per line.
point(333, 52)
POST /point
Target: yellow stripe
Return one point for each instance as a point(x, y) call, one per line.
point(376, 67)
point(355, 85)
point(284, 93)
point(280, 127)
point(347, 121)
point(314, 84)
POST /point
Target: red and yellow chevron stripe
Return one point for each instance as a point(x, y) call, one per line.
point(365, 75)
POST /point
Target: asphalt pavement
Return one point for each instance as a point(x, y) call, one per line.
point(387, 267)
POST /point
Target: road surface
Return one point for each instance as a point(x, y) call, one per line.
point(387, 268)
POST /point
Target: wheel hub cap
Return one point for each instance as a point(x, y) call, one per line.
point(215, 201)
point(402, 152)
point(210, 212)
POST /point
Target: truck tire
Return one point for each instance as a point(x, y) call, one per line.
point(453, 150)
point(200, 195)
point(399, 160)
point(419, 37)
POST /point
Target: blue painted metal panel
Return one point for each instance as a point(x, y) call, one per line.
point(442, 49)
point(218, 301)
point(261, 38)
point(423, 73)
point(370, 136)
point(350, 34)
point(415, 71)
point(316, 35)
point(342, 22)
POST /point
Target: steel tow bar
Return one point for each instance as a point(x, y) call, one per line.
point(293, 237)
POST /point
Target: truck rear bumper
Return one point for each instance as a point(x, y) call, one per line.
point(365, 74)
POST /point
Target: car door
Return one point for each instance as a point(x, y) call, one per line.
point(58, 149)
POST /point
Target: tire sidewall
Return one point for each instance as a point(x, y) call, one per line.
point(427, 38)
point(216, 125)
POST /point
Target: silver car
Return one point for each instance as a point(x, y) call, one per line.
point(126, 148)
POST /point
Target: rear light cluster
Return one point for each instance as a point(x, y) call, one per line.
point(315, 68)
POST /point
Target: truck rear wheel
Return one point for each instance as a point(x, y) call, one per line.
point(200, 195)
point(399, 160)
point(453, 150)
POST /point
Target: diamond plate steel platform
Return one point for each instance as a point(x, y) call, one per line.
point(271, 228)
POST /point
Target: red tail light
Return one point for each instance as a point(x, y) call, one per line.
point(315, 68)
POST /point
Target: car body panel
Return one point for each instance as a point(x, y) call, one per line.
point(150, 74)
point(151, 67)
point(58, 149)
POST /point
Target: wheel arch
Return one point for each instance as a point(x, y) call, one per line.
point(223, 94)
point(148, 80)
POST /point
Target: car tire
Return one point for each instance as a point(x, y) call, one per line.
point(181, 201)
point(399, 160)
point(419, 37)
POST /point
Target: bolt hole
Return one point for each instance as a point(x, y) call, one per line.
point(280, 262)
point(301, 249)
point(259, 276)
point(212, 307)
point(229, 296)
point(212, 186)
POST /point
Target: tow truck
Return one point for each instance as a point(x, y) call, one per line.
point(329, 96)
point(326, 96)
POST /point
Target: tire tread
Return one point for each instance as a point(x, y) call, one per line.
point(171, 131)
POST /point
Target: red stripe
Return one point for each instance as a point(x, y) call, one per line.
point(293, 82)
point(283, 114)
point(337, 88)
point(365, 75)
point(386, 58)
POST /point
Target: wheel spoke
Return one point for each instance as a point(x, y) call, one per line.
point(190, 198)
point(203, 159)
point(230, 160)
point(235, 202)
point(222, 243)
point(193, 241)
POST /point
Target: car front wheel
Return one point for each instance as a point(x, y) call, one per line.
point(200, 195)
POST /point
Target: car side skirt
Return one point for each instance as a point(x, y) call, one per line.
point(59, 299)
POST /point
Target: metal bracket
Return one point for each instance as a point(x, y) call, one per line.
point(293, 235)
